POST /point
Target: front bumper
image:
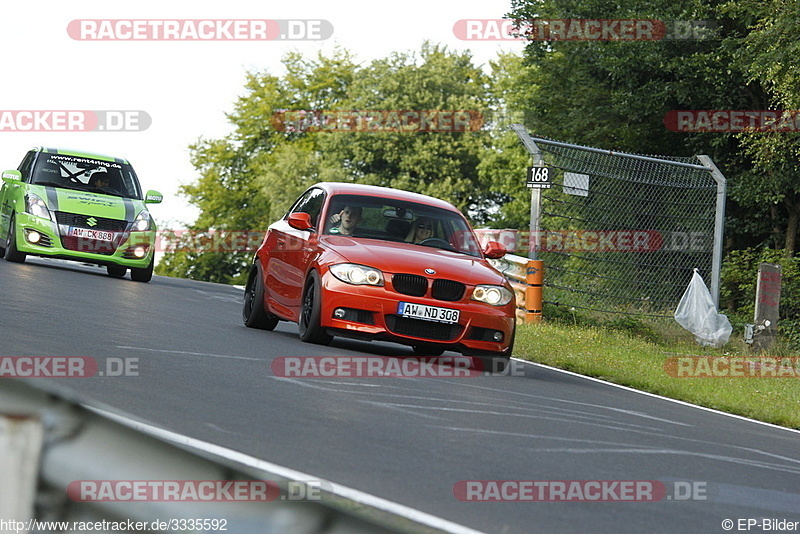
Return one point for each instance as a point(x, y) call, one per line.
point(370, 312)
point(52, 242)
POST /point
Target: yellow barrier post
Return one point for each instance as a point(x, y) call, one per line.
point(534, 278)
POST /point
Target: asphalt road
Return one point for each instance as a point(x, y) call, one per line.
point(409, 440)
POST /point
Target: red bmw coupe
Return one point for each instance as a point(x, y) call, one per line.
point(382, 264)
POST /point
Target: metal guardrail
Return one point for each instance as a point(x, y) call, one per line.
point(48, 442)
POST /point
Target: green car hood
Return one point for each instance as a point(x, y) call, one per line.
point(90, 204)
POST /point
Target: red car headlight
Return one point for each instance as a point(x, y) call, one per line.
point(355, 274)
point(494, 295)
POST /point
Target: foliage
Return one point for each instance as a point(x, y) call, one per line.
point(610, 94)
point(504, 162)
point(249, 178)
point(615, 94)
point(768, 56)
point(439, 163)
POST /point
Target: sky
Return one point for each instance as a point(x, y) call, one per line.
point(187, 87)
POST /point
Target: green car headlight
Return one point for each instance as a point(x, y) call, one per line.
point(494, 295)
point(143, 222)
point(36, 206)
point(357, 274)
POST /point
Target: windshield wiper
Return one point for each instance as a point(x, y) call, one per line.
point(100, 190)
point(52, 184)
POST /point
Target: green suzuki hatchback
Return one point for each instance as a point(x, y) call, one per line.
point(78, 206)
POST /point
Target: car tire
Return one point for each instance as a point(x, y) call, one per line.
point(116, 271)
point(12, 254)
point(427, 350)
point(253, 313)
point(143, 275)
point(310, 310)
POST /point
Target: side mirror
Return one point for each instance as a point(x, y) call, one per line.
point(300, 221)
point(153, 197)
point(11, 177)
point(494, 250)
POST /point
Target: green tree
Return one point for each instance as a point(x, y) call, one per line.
point(615, 94)
point(438, 163)
point(249, 178)
point(505, 161)
point(768, 54)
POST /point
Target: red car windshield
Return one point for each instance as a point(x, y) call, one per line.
point(393, 220)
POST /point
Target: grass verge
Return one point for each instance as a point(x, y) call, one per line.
point(638, 361)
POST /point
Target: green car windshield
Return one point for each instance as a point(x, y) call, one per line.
point(87, 174)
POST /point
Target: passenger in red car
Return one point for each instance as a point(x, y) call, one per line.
point(421, 229)
point(347, 220)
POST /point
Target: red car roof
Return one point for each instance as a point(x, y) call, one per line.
point(344, 188)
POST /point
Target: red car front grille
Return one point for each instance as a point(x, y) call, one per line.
point(417, 286)
point(447, 290)
point(410, 284)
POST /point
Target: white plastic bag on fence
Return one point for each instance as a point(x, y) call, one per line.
point(697, 313)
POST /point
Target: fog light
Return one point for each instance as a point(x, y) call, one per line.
point(339, 313)
point(139, 252)
point(33, 236)
point(497, 336)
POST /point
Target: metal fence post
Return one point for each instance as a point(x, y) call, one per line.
point(719, 227)
point(536, 193)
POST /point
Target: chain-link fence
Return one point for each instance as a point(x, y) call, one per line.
point(622, 232)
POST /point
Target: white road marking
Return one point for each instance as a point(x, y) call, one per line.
point(188, 353)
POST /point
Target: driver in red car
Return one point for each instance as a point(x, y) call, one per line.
point(347, 220)
point(421, 229)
